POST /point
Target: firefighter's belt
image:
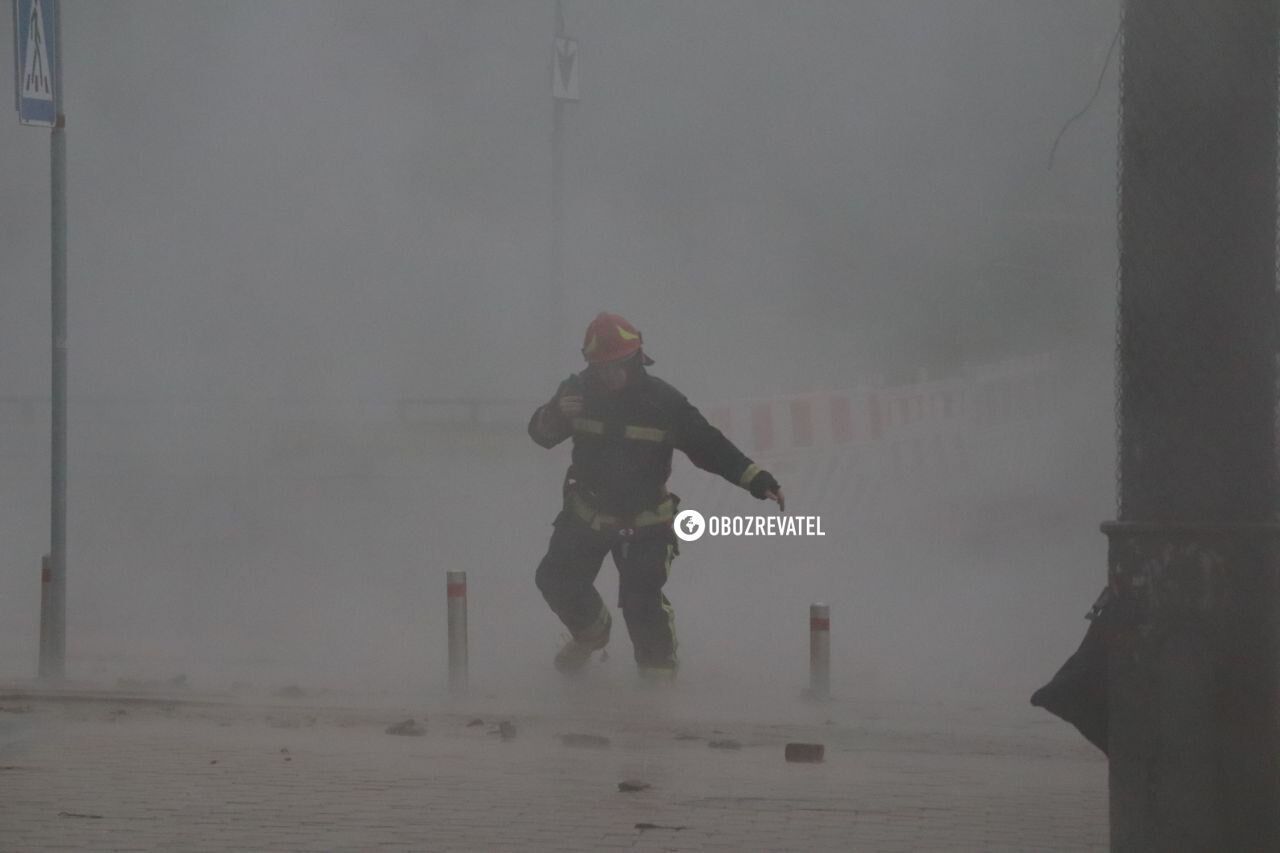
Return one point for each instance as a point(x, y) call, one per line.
point(663, 513)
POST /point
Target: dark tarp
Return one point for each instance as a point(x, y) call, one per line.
point(1078, 691)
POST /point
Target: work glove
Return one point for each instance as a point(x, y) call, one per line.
point(762, 484)
point(569, 406)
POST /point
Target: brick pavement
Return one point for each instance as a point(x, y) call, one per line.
point(109, 775)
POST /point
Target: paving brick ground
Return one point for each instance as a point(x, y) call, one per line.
point(113, 772)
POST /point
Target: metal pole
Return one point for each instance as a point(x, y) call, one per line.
point(555, 303)
point(1192, 665)
point(54, 665)
point(457, 591)
point(819, 651)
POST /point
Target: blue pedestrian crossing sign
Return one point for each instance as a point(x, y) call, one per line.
point(36, 55)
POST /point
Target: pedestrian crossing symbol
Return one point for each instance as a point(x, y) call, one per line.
point(36, 57)
point(564, 70)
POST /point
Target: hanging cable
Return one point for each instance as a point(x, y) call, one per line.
point(1106, 63)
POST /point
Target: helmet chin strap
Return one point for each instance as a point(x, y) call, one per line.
point(633, 365)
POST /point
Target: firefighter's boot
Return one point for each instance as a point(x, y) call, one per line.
point(657, 676)
point(577, 651)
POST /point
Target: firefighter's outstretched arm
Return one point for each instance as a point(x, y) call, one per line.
point(552, 421)
point(709, 449)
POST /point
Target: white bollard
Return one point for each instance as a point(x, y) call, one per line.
point(457, 590)
point(819, 651)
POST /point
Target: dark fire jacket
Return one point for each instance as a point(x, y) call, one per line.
point(623, 442)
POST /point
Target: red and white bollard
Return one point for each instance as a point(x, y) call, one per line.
point(46, 617)
point(457, 589)
point(819, 651)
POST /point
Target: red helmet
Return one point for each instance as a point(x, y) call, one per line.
point(609, 338)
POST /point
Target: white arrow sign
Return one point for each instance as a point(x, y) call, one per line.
point(564, 70)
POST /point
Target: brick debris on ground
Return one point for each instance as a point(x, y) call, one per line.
point(105, 773)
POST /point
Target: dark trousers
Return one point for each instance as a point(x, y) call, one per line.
point(566, 578)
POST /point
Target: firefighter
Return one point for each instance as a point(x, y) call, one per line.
point(624, 423)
